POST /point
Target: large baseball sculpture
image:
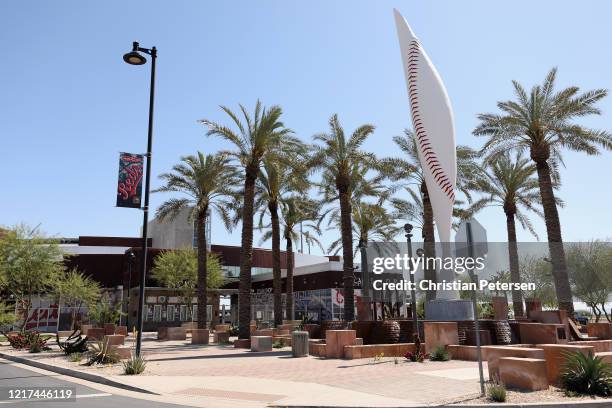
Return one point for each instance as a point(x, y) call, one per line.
point(432, 118)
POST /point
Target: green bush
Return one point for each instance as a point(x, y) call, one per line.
point(496, 391)
point(279, 343)
point(440, 354)
point(135, 365)
point(586, 374)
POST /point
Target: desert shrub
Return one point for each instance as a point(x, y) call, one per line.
point(75, 357)
point(17, 341)
point(134, 365)
point(280, 343)
point(36, 343)
point(30, 340)
point(586, 374)
point(103, 353)
point(496, 391)
point(439, 354)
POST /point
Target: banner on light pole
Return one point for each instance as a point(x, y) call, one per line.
point(129, 187)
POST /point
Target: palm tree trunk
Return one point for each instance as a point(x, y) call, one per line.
point(202, 268)
point(365, 283)
point(246, 255)
point(347, 254)
point(429, 240)
point(515, 275)
point(276, 264)
point(289, 283)
point(555, 242)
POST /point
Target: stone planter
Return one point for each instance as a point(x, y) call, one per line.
point(109, 328)
point(242, 343)
point(602, 330)
point(200, 336)
point(333, 325)
point(115, 339)
point(121, 330)
point(335, 341)
point(124, 352)
point(314, 330)
point(365, 330)
point(221, 337)
point(532, 305)
point(500, 308)
point(171, 333)
point(85, 328)
point(95, 333)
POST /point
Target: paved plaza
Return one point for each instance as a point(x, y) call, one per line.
point(195, 374)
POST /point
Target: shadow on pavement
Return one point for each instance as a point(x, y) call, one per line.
point(248, 354)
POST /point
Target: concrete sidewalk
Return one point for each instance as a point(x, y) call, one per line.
point(258, 392)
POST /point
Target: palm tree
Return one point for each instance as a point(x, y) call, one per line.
point(371, 222)
point(208, 182)
point(259, 137)
point(275, 180)
point(302, 211)
point(408, 169)
point(543, 123)
point(338, 156)
point(511, 183)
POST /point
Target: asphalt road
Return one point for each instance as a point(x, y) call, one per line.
point(86, 397)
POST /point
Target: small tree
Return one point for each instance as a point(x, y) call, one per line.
point(106, 310)
point(539, 271)
point(75, 291)
point(30, 264)
point(7, 317)
point(589, 267)
point(179, 270)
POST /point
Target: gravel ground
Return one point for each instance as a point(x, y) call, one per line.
point(552, 394)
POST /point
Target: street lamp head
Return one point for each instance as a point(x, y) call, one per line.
point(408, 228)
point(134, 57)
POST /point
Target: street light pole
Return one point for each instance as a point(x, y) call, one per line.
point(134, 58)
point(415, 320)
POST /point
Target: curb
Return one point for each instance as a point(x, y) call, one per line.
point(568, 404)
point(75, 373)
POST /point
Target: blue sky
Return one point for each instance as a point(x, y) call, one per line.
point(69, 103)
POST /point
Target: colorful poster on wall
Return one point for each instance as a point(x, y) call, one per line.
point(129, 190)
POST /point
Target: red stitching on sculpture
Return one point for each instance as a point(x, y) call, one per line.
point(431, 158)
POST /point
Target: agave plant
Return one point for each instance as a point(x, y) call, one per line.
point(103, 353)
point(587, 374)
point(135, 365)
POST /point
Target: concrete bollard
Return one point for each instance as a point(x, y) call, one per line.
point(299, 343)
